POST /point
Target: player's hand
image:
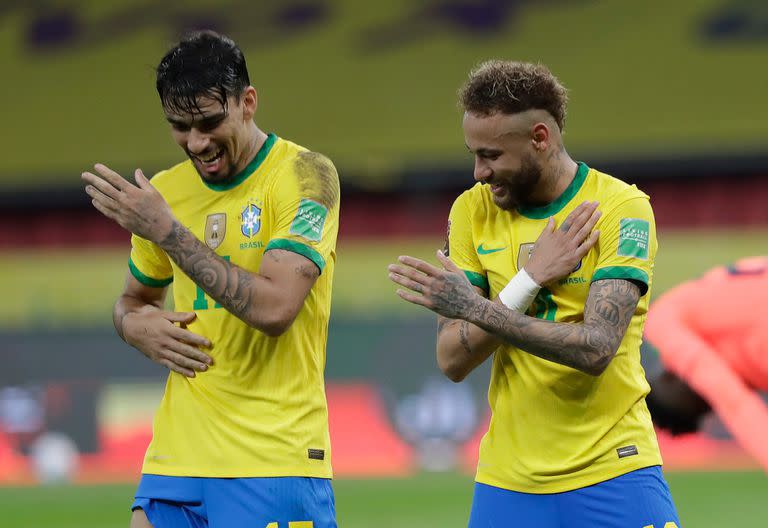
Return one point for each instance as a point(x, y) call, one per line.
point(138, 208)
point(156, 335)
point(557, 252)
point(446, 291)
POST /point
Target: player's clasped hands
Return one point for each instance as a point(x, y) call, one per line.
point(138, 208)
point(163, 338)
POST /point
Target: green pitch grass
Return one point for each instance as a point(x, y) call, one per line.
point(704, 500)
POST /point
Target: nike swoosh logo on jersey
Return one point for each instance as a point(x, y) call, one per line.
point(486, 251)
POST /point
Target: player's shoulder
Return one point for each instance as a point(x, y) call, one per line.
point(313, 172)
point(295, 156)
point(613, 192)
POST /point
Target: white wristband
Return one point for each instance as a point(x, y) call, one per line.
point(519, 292)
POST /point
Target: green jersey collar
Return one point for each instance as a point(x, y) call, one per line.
point(249, 169)
point(545, 211)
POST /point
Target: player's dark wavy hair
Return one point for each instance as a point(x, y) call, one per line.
point(512, 87)
point(202, 64)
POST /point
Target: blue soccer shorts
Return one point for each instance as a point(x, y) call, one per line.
point(265, 502)
point(639, 499)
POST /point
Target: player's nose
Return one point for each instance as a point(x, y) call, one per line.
point(197, 143)
point(482, 170)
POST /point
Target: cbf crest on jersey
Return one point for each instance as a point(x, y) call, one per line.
point(215, 229)
point(524, 254)
point(250, 220)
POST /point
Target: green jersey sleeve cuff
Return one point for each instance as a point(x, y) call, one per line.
point(298, 247)
point(635, 275)
point(147, 281)
point(477, 280)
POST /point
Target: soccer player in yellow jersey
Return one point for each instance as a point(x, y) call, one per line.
point(245, 229)
point(570, 441)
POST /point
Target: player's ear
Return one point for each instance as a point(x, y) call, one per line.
point(250, 101)
point(540, 136)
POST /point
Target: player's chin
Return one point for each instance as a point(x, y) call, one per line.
point(505, 201)
point(219, 176)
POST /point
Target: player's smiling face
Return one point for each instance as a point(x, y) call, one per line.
point(217, 139)
point(504, 157)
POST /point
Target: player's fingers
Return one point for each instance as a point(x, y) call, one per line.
point(103, 209)
point(412, 298)
point(141, 180)
point(195, 340)
point(188, 356)
point(583, 233)
point(102, 198)
point(111, 176)
point(179, 317)
point(97, 183)
point(578, 217)
point(549, 228)
point(411, 273)
point(419, 264)
point(447, 263)
point(572, 216)
point(405, 281)
point(182, 334)
point(177, 368)
point(588, 244)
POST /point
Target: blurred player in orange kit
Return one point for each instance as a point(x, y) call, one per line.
point(712, 339)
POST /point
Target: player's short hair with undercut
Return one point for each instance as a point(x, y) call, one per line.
point(202, 64)
point(512, 87)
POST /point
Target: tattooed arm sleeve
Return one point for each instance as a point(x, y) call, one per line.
point(588, 346)
point(462, 347)
point(268, 300)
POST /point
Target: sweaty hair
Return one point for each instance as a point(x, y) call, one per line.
point(202, 64)
point(512, 87)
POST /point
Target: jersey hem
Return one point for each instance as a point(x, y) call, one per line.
point(570, 485)
point(236, 473)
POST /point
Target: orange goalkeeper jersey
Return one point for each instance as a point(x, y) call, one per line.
point(713, 333)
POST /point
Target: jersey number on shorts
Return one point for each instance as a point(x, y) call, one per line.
point(670, 524)
point(544, 307)
point(293, 524)
point(201, 301)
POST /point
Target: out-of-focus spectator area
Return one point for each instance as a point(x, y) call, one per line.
point(667, 95)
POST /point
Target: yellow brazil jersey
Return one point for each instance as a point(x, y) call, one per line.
point(554, 428)
point(260, 410)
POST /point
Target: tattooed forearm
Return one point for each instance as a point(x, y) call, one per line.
point(587, 346)
point(231, 286)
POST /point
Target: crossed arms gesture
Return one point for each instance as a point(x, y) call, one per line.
point(471, 326)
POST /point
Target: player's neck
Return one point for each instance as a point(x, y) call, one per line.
point(256, 141)
point(557, 177)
